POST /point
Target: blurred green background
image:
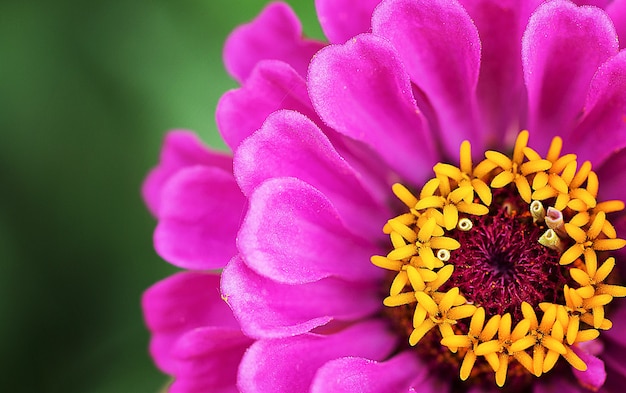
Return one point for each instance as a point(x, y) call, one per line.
point(87, 92)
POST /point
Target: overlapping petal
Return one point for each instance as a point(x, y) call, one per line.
point(278, 365)
point(272, 85)
point(181, 149)
point(291, 145)
point(398, 374)
point(275, 34)
point(267, 309)
point(603, 127)
point(293, 234)
point(500, 91)
point(440, 48)
point(200, 213)
point(356, 86)
point(344, 19)
point(206, 360)
point(562, 48)
point(179, 304)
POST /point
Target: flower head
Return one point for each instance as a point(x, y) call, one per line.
point(431, 201)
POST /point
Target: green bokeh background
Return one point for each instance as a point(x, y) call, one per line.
point(87, 91)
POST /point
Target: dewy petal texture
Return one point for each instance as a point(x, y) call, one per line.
point(181, 149)
point(275, 34)
point(267, 309)
point(617, 12)
point(562, 48)
point(603, 129)
point(200, 213)
point(343, 19)
point(291, 145)
point(278, 365)
point(439, 46)
point(362, 90)
point(348, 375)
point(294, 235)
point(179, 304)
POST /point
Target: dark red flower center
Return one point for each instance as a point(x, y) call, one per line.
point(501, 263)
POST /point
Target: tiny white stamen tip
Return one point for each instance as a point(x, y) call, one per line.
point(465, 224)
point(443, 255)
point(551, 239)
point(537, 210)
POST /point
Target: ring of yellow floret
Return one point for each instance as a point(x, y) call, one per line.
point(421, 250)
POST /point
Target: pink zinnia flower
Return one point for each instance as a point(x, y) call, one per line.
point(385, 224)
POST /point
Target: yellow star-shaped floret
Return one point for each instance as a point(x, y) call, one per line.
point(508, 343)
point(515, 170)
point(478, 333)
point(441, 311)
point(464, 175)
point(423, 243)
point(420, 281)
point(546, 335)
point(438, 194)
point(587, 243)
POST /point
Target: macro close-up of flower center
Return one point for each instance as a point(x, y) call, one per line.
point(508, 259)
point(428, 199)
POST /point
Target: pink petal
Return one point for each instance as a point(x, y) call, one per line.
point(179, 304)
point(291, 145)
point(273, 85)
point(361, 90)
point(267, 309)
point(618, 317)
point(557, 384)
point(293, 234)
point(602, 131)
point(596, 3)
point(343, 19)
point(207, 360)
point(501, 91)
point(289, 364)
point(275, 33)
point(440, 48)
point(616, 368)
point(595, 375)
point(562, 48)
point(201, 210)
point(617, 12)
point(181, 149)
point(612, 177)
point(362, 375)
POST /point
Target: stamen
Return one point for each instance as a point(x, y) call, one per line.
point(537, 211)
point(478, 239)
point(550, 239)
point(443, 255)
point(465, 224)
